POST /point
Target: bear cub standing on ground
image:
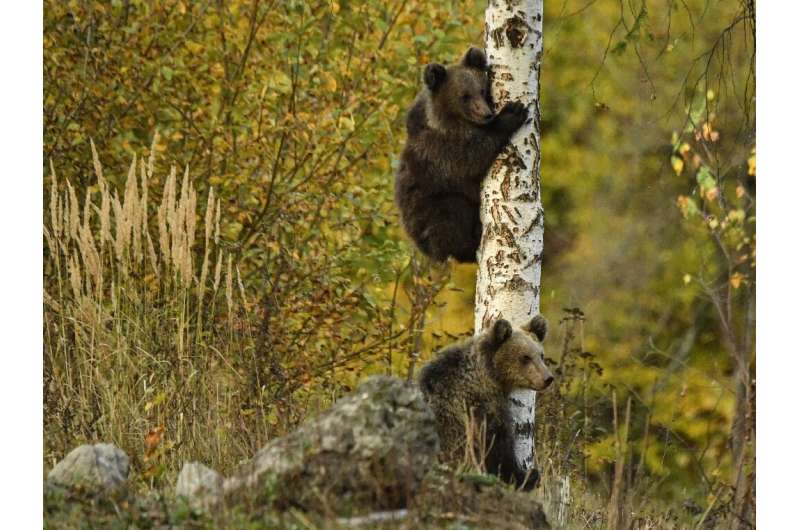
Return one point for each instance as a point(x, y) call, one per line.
point(475, 378)
point(453, 138)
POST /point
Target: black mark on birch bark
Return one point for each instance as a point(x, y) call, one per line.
point(516, 402)
point(497, 37)
point(506, 236)
point(495, 212)
point(509, 214)
point(517, 31)
point(517, 283)
point(514, 161)
point(505, 186)
point(523, 428)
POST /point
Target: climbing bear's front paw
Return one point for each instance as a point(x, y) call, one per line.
point(514, 115)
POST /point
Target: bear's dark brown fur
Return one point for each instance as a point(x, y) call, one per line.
point(473, 380)
point(453, 139)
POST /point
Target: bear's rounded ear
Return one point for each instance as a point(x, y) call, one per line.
point(537, 326)
point(435, 74)
point(475, 58)
point(501, 331)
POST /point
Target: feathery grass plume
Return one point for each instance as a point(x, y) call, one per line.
point(191, 212)
point(169, 196)
point(241, 286)
point(173, 220)
point(163, 234)
point(130, 207)
point(209, 226)
point(165, 218)
point(182, 211)
point(105, 215)
point(51, 242)
point(105, 206)
point(87, 210)
point(91, 258)
point(120, 229)
point(151, 251)
point(75, 277)
point(98, 167)
point(179, 234)
point(229, 284)
point(151, 158)
point(190, 221)
point(216, 230)
point(74, 212)
point(209, 219)
point(114, 301)
point(55, 221)
point(143, 204)
point(184, 186)
point(217, 272)
point(63, 208)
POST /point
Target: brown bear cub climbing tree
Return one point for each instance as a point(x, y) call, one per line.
point(473, 379)
point(454, 136)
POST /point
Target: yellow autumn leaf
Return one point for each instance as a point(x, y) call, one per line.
point(677, 165)
point(687, 278)
point(751, 165)
point(709, 133)
point(736, 280)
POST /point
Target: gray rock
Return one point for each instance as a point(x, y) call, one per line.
point(200, 485)
point(101, 468)
point(371, 448)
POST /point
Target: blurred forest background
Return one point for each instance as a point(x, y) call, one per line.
point(223, 257)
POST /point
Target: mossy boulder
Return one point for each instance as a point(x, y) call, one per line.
point(372, 449)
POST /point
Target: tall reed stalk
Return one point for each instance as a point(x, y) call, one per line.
point(134, 338)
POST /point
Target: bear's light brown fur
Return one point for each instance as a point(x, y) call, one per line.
point(474, 379)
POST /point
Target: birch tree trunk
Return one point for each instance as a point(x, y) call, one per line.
point(509, 257)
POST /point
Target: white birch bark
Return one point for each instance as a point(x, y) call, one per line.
point(509, 257)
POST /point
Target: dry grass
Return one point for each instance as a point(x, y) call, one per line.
point(139, 323)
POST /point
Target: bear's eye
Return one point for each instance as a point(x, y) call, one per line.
point(465, 97)
point(527, 359)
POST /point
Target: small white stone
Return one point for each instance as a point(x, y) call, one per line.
point(200, 485)
point(102, 467)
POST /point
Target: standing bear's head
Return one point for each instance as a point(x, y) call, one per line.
point(460, 92)
point(515, 357)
